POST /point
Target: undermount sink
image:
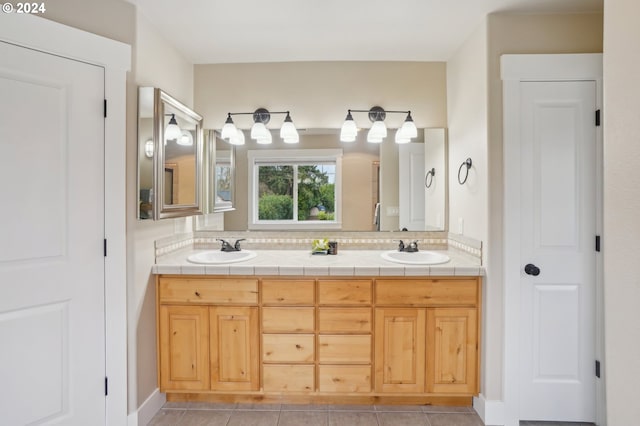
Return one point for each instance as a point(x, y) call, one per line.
point(415, 258)
point(218, 256)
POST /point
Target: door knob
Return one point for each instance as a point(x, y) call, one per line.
point(531, 269)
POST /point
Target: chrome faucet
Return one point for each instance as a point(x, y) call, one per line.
point(412, 247)
point(226, 246)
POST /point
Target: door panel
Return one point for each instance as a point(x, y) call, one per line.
point(558, 142)
point(51, 251)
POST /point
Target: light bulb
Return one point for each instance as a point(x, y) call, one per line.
point(377, 132)
point(409, 128)
point(288, 130)
point(186, 139)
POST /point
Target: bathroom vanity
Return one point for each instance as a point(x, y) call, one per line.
point(392, 337)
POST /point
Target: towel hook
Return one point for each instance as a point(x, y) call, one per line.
point(428, 179)
point(467, 163)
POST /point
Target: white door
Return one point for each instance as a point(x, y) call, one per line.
point(52, 337)
point(412, 190)
point(558, 226)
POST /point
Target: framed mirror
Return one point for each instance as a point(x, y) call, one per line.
point(219, 173)
point(170, 156)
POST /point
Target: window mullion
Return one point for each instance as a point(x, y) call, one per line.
point(295, 192)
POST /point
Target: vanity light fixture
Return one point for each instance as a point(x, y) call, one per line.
point(259, 131)
point(378, 130)
point(172, 131)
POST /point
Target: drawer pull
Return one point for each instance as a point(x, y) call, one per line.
point(197, 294)
point(298, 347)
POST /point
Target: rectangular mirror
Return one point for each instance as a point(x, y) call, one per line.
point(219, 173)
point(369, 185)
point(169, 156)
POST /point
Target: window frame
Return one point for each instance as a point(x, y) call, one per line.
point(255, 158)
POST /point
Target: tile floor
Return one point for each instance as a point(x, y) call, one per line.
point(208, 414)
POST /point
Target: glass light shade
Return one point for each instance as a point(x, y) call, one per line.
point(186, 139)
point(409, 128)
point(259, 131)
point(378, 130)
point(401, 137)
point(349, 130)
point(229, 129)
point(374, 140)
point(288, 129)
point(172, 131)
point(148, 148)
point(267, 139)
point(237, 138)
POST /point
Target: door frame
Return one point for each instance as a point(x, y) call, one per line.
point(514, 70)
point(115, 57)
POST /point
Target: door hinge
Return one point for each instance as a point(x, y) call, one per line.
point(597, 117)
point(105, 247)
point(598, 243)
point(106, 386)
point(105, 108)
point(597, 368)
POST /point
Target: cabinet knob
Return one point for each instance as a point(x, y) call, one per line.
point(197, 294)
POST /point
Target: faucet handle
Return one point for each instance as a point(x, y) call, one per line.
point(236, 245)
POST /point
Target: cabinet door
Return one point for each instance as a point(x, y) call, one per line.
point(184, 348)
point(399, 349)
point(234, 348)
point(452, 350)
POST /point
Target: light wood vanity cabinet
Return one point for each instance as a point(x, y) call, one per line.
point(378, 339)
point(208, 334)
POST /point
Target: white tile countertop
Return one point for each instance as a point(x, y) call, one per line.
point(302, 262)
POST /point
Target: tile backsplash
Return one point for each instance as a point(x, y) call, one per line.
point(300, 240)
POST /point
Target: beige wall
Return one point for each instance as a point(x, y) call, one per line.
point(467, 105)
point(157, 64)
point(621, 206)
point(319, 95)
point(568, 33)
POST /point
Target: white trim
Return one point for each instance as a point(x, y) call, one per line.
point(51, 37)
point(490, 411)
point(148, 409)
point(515, 69)
point(255, 157)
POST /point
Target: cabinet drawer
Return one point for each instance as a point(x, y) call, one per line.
point(287, 292)
point(425, 292)
point(344, 292)
point(344, 349)
point(288, 320)
point(210, 290)
point(344, 378)
point(344, 320)
point(292, 378)
point(288, 348)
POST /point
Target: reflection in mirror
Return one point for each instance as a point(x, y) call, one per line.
point(219, 173)
point(370, 179)
point(169, 156)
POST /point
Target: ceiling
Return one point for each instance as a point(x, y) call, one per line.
point(232, 31)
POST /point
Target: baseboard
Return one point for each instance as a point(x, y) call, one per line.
point(490, 411)
point(147, 409)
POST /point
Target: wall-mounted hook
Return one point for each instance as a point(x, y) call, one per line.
point(467, 163)
point(428, 179)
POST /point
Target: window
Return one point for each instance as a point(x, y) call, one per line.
point(294, 189)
